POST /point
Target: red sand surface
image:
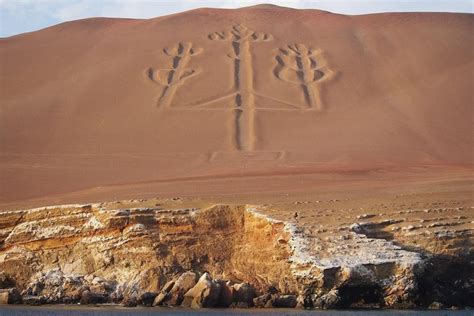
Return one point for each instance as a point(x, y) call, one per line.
point(99, 109)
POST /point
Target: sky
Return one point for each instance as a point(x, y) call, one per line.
point(19, 16)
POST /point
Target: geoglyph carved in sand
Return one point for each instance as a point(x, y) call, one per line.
point(305, 66)
point(241, 38)
point(297, 64)
point(175, 76)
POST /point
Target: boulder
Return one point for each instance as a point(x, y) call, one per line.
point(98, 289)
point(226, 295)
point(35, 288)
point(269, 303)
point(150, 280)
point(53, 278)
point(244, 294)
point(88, 297)
point(182, 285)
point(286, 301)
point(97, 280)
point(33, 300)
point(162, 296)
point(240, 305)
point(6, 281)
point(117, 295)
point(204, 294)
point(72, 289)
point(4, 296)
point(436, 305)
point(304, 302)
point(55, 287)
point(146, 299)
point(129, 301)
point(329, 300)
point(261, 301)
point(15, 296)
point(10, 296)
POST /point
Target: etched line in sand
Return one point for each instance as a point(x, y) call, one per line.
point(305, 66)
point(246, 156)
point(297, 64)
point(175, 76)
point(241, 38)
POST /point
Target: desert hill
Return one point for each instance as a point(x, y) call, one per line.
point(258, 157)
point(255, 99)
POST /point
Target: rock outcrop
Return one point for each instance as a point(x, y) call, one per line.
point(222, 256)
point(204, 294)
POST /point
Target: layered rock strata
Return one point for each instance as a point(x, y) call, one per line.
point(221, 256)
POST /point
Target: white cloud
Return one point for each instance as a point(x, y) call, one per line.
point(74, 11)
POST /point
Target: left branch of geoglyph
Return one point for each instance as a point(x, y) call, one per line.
point(175, 76)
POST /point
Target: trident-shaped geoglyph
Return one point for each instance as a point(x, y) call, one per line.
point(304, 66)
point(297, 64)
point(241, 38)
point(175, 76)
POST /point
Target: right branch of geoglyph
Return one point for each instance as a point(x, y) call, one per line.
point(175, 76)
point(305, 66)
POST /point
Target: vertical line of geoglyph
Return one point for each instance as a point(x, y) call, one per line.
point(241, 38)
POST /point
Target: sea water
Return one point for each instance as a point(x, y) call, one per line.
point(60, 310)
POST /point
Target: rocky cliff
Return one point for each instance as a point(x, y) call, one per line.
point(232, 255)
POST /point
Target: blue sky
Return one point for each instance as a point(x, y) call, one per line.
point(18, 16)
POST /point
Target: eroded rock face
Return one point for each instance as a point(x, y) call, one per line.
point(89, 254)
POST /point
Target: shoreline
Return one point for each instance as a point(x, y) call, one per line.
point(117, 309)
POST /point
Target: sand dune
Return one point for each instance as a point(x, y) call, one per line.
point(91, 107)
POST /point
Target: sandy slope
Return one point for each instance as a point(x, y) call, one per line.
point(96, 109)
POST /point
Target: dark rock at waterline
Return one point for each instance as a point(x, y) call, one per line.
point(33, 300)
point(275, 300)
point(4, 296)
point(436, 305)
point(146, 299)
point(240, 305)
point(329, 300)
point(448, 280)
point(244, 294)
point(182, 285)
point(164, 293)
point(286, 301)
point(130, 301)
point(14, 296)
point(88, 297)
point(6, 281)
point(204, 294)
point(261, 301)
point(410, 291)
point(226, 294)
point(116, 297)
point(305, 301)
point(10, 296)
